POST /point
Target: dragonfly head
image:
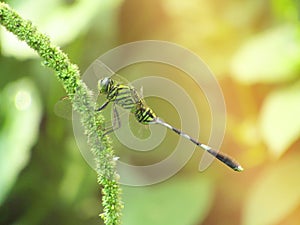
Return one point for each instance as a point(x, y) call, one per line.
point(105, 84)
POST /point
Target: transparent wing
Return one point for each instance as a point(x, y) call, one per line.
point(101, 70)
point(63, 108)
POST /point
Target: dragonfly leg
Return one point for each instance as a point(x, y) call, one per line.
point(116, 122)
point(102, 106)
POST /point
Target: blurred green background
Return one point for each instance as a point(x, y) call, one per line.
point(253, 48)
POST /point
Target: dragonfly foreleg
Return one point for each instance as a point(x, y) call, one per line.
point(102, 106)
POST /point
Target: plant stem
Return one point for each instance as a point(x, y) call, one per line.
point(68, 74)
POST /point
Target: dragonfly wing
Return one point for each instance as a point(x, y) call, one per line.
point(63, 108)
point(102, 70)
point(142, 92)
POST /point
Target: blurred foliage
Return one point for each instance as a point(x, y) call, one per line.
point(20, 118)
point(281, 104)
point(273, 186)
point(197, 195)
point(75, 14)
point(256, 61)
point(252, 46)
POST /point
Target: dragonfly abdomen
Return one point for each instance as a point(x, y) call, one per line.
point(220, 156)
point(144, 114)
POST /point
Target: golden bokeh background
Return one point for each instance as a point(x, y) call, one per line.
point(252, 47)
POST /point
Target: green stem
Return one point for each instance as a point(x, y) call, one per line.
point(69, 75)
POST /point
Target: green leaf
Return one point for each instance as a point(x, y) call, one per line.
point(275, 194)
point(280, 120)
point(62, 22)
point(20, 114)
point(176, 201)
point(270, 57)
point(286, 10)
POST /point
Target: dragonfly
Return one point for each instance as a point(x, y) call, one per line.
point(128, 98)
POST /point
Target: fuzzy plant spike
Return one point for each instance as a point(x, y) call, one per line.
point(68, 74)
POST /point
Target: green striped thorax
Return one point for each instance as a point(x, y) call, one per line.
point(128, 98)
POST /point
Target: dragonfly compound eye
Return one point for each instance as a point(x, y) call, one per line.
point(103, 85)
